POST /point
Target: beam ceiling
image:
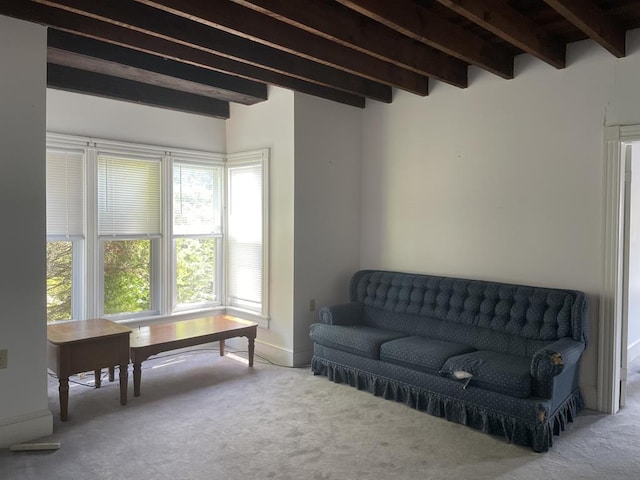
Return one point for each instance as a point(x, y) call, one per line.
point(199, 56)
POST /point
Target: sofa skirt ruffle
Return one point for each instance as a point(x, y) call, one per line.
point(538, 436)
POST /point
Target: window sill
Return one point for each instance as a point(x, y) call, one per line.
point(262, 322)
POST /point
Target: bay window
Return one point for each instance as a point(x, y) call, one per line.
point(138, 231)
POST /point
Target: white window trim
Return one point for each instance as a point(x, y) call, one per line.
point(611, 308)
point(90, 306)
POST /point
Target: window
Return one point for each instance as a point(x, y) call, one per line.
point(197, 233)
point(139, 231)
point(65, 233)
point(246, 198)
point(129, 231)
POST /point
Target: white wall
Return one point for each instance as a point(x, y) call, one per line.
point(270, 124)
point(503, 180)
point(315, 206)
point(500, 181)
point(327, 209)
point(24, 413)
point(633, 303)
point(88, 116)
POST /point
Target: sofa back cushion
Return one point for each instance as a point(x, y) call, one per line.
point(522, 316)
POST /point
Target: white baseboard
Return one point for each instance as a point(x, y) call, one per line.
point(633, 352)
point(274, 353)
point(25, 428)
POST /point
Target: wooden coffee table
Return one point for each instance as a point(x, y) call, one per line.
point(154, 339)
point(87, 345)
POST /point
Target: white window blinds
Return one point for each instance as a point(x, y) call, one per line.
point(128, 196)
point(245, 253)
point(65, 193)
point(197, 202)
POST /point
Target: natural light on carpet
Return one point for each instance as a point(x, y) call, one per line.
point(237, 358)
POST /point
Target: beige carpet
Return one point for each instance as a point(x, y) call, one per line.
point(202, 416)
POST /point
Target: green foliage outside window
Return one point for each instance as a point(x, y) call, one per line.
point(127, 276)
point(195, 270)
point(59, 280)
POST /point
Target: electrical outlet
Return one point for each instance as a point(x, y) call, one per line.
point(312, 305)
point(3, 358)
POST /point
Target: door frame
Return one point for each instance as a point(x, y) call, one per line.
point(611, 332)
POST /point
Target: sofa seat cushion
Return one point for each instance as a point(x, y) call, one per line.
point(356, 339)
point(421, 353)
point(499, 372)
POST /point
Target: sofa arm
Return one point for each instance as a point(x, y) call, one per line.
point(551, 360)
point(342, 314)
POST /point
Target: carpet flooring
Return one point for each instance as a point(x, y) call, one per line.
point(202, 416)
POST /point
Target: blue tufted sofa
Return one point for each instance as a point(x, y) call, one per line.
point(497, 357)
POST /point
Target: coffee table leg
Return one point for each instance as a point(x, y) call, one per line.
point(222, 347)
point(252, 344)
point(137, 373)
point(98, 376)
point(124, 378)
point(63, 390)
point(112, 373)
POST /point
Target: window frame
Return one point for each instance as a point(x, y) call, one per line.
point(60, 144)
point(220, 237)
point(157, 266)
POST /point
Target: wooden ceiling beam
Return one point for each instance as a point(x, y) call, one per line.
point(594, 22)
point(256, 27)
point(329, 83)
point(157, 23)
point(510, 25)
point(100, 57)
point(413, 20)
point(332, 21)
point(112, 69)
point(81, 81)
